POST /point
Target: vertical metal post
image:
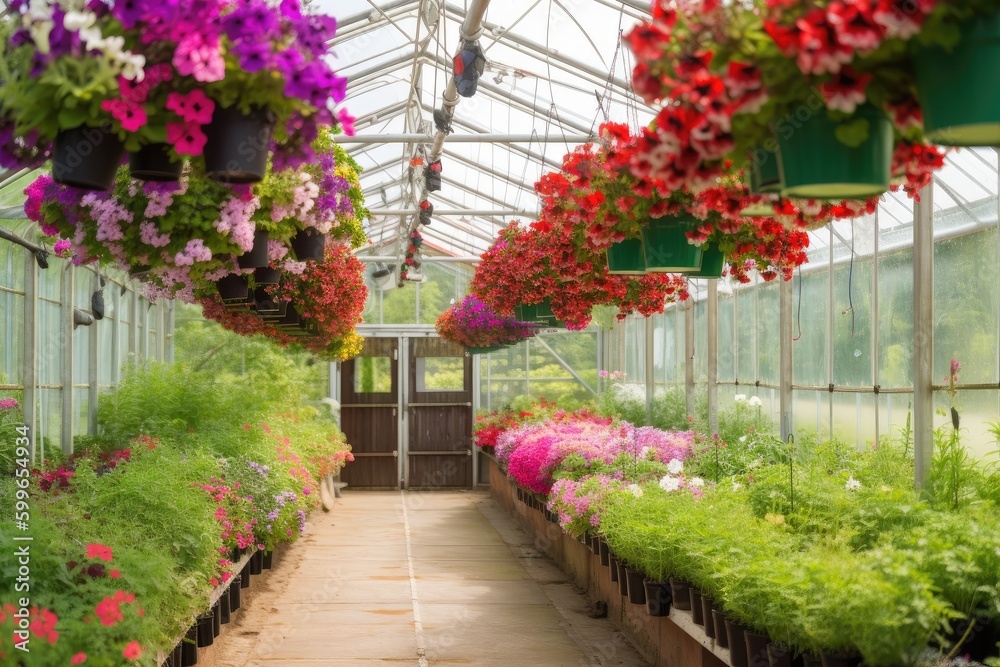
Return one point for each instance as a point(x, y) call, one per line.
point(648, 368)
point(93, 362)
point(476, 386)
point(689, 357)
point(785, 350)
point(713, 356)
point(829, 327)
point(68, 291)
point(923, 333)
point(527, 366)
point(31, 347)
point(621, 346)
point(875, 338)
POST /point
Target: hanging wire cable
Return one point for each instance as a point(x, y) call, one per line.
point(850, 282)
point(548, 71)
point(798, 307)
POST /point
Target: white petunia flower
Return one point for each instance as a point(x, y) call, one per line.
point(743, 438)
point(635, 490)
point(852, 484)
point(755, 402)
point(740, 398)
point(737, 486)
point(76, 21)
point(39, 31)
point(670, 483)
point(92, 38)
point(696, 482)
point(675, 467)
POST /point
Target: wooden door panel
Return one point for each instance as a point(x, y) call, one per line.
point(369, 414)
point(433, 471)
point(445, 428)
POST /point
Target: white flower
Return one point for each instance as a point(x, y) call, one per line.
point(743, 439)
point(737, 486)
point(740, 398)
point(635, 490)
point(79, 20)
point(645, 452)
point(852, 484)
point(670, 483)
point(755, 402)
point(39, 31)
point(452, 302)
point(696, 482)
point(92, 38)
point(132, 67)
point(675, 467)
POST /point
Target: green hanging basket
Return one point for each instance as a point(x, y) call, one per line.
point(525, 313)
point(667, 247)
point(486, 350)
point(959, 89)
point(814, 164)
point(627, 258)
point(765, 178)
point(537, 313)
point(712, 262)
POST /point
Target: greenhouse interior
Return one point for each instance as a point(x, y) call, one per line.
point(450, 332)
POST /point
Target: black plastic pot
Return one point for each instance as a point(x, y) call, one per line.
point(433, 179)
point(291, 320)
point(735, 634)
point(238, 145)
point(87, 157)
point(232, 289)
point(257, 256)
point(680, 595)
point(657, 598)
point(236, 554)
point(245, 576)
point(613, 565)
point(206, 636)
point(719, 624)
point(696, 608)
point(269, 557)
point(605, 553)
point(622, 578)
point(265, 275)
point(756, 648)
point(269, 307)
point(706, 616)
point(235, 593)
point(225, 613)
point(309, 245)
point(257, 562)
point(152, 163)
point(216, 619)
point(189, 647)
point(831, 659)
point(778, 655)
point(595, 545)
point(636, 586)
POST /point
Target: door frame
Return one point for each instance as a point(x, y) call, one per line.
point(402, 334)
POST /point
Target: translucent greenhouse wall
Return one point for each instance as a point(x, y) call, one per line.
point(852, 309)
point(57, 373)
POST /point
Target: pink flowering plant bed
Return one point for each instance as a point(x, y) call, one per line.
point(123, 557)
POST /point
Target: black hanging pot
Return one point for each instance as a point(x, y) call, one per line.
point(245, 577)
point(680, 594)
point(657, 598)
point(232, 289)
point(605, 553)
point(238, 145)
point(309, 245)
point(265, 275)
point(206, 635)
point(257, 256)
point(268, 307)
point(613, 566)
point(636, 586)
point(177, 655)
point(257, 562)
point(291, 320)
point(269, 555)
point(152, 163)
point(87, 157)
point(235, 593)
point(216, 619)
point(706, 617)
point(225, 611)
point(433, 176)
point(622, 578)
point(189, 647)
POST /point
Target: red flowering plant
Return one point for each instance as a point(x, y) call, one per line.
point(472, 323)
point(732, 77)
point(37, 635)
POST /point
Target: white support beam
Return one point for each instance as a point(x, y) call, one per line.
point(923, 335)
point(713, 356)
point(471, 259)
point(451, 211)
point(414, 138)
point(785, 353)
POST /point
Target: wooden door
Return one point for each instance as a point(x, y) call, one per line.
point(439, 443)
point(369, 414)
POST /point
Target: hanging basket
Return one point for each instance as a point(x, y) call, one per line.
point(257, 257)
point(86, 157)
point(238, 145)
point(265, 275)
point(268, 307)
point(765, 178)
point(814, 164)
point(232, 289)
point(291, 320)
point(959, 89)
point(712, 262)
point(627, 258)
point(152, 163)
point(309, 245)
point(486, 350)
point(667, 248)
